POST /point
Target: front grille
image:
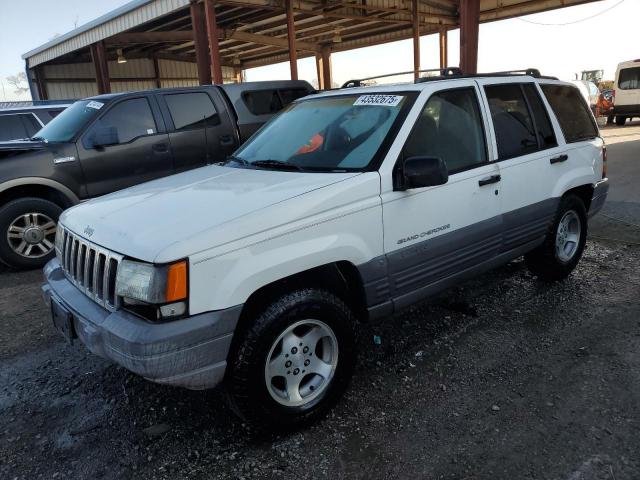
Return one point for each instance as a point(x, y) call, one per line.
point(89, 267)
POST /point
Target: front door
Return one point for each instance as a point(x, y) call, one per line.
point(140, 152)
point(433, 233)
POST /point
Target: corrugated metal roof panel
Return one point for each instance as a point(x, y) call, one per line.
point(124, 18)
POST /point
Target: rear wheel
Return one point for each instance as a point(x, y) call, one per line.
point(562, 249)
point(620, 120)
point(27, 232)
point(294, 361)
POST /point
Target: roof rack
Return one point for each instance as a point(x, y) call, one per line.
point(444, 72)
point(531, 72)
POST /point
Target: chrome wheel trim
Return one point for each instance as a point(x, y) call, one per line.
point(301, 363)
point(32, 235)
point(568, 236)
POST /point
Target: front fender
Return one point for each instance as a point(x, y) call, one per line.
point(229, 279)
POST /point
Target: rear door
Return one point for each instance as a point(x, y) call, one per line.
point(434, 233)
point(141, 154)
point(200, 128)
point(528, 153)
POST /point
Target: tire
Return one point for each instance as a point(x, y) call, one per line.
point(258, 348)
point(37, 218)
point(620, 121)
point(550, 263)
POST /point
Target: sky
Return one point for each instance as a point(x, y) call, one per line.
point(561, 49)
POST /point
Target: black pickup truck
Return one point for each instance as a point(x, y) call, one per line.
point(110, 142)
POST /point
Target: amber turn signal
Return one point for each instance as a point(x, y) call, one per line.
point(176, 282)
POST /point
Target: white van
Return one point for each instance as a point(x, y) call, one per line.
point(627, 88)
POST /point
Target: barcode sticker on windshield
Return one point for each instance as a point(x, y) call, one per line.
point(94, 104)
point(383, 100)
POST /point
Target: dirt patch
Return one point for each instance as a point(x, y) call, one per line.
point(503, 377)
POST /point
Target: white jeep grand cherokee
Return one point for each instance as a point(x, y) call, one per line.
point(350, 205)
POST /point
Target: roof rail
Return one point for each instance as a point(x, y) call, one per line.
point(444, 72)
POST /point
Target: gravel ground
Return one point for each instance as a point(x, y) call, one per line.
point(504, 377)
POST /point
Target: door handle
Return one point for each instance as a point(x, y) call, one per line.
point(226, 140)
point(489, 180)
point(561, 158)
point(160, 148)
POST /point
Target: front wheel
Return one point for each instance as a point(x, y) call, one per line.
point(294, 361)
point(27, 232)
point(562, 249)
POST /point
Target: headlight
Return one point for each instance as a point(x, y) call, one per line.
point(152, 284)
point(59, 238)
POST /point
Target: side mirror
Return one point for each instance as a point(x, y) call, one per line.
point(418, 172)
point(104, 136)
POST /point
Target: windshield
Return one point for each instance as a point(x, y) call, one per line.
point(340, 133)
point(67, 124)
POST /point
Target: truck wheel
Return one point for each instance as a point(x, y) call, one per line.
point(294, 361)
point(27, 232)
point(556, 258)
point(620, 120)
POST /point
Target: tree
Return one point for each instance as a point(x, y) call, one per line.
point(19, 83)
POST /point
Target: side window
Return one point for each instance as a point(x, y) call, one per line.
point(11, 127)
point(515, 134)
point(629, 78)
point(572, 112)
point(131, 119)
point(54, 113)
point(546, 136)
point(288, 95)
point(262, 102)
point(449, 127)
point(191, 110)
point(30, 123)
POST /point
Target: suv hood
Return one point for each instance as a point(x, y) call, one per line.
point(159, 221)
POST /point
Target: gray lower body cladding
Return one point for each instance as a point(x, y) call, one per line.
point(407, 275)
point(600, 191)
point(191, 352)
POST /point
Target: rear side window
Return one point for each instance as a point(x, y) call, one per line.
point(512, 122)
point(131, 118)
point(31, 124)
point(629, 79)
point(54, 113)
point(11, 127)
point(288, 95)
point(572, 112)
point(450, 127)
point(262, 102)
point(191, 110)
point(542, 124)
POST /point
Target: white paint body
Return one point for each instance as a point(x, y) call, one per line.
point(242, 229)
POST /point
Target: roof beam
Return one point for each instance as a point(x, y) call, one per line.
point(151, 37)
point(269, 40)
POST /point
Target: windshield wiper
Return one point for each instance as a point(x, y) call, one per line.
point(233, 158)
point(38, 139)
point(277, 164)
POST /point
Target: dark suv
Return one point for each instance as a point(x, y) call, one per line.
point(110, 142)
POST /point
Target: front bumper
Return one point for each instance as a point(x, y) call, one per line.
point(600, 190)
point(191, 352)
